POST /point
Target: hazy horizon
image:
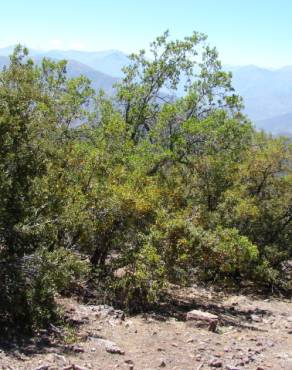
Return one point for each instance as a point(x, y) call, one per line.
point(48, 50)
point(246, 33)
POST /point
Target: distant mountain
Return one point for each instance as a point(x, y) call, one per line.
point(279, 125)
point(98, 79)
point(267, 93)
point(7, 50)
point(3, 61)
point(109, 61)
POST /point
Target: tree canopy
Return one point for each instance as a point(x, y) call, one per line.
point(167, 189)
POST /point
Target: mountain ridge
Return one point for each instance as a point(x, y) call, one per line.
point(267, 93)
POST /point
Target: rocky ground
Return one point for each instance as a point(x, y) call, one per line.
point(248, 333)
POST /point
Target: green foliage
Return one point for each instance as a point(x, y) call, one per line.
point(52, 272)
point(189, 251)
point(31, 284)
point(226, 252)
point(162, 189)
point(142, 281)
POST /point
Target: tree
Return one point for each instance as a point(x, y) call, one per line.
point(150, 83)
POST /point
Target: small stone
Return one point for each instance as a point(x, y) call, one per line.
point(78, 349)
point(129, 362)
point(203, 319)
point(42, 367)
point(128, 323)
point(282, 356)
point(60, 358)
point(215, 362)
point(77, 367)
point(114, 349)
point(162, 364)
point(21, 356)
point(256, 318)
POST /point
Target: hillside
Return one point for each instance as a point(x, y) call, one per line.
point(99, 79)
point(75, 68)
point(267, 93)
point(109, 61)
point(279, 125)
point(3, 61)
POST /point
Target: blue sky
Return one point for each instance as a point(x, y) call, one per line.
point(244, 31)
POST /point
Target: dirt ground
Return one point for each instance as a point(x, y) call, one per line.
point(252, 334)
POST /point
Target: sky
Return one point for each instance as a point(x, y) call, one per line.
point(244, 31)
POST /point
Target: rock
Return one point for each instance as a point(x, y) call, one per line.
point(111, 347)
point(42, 367)
point(128, 323)
point(203, 319)
point(77, 349)
point(105, 310)
point(77, 367)
point(282, 356)
point(20, 356)
point(256, 318)
point(215, 362)
point(162, 364)
point(60, 358)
